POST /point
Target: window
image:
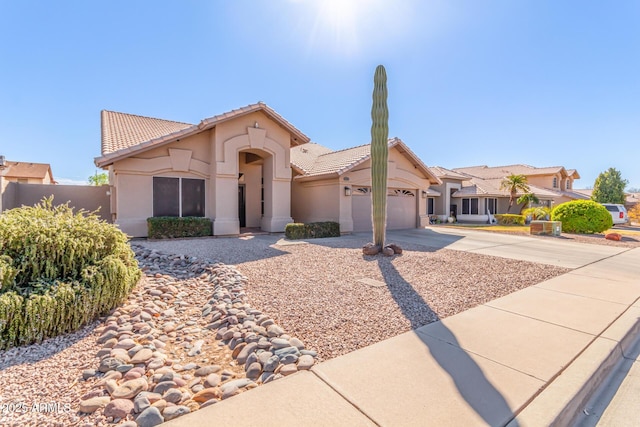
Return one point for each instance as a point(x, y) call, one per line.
point(430, 206)
point(568, 185)
point(178, 197)
point(470, 206)
point(555, 182)
point(491, 205)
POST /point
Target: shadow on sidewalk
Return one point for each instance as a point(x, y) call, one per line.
point(467, 376)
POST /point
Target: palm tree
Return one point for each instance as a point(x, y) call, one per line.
point(514, 183)
point(528, 199)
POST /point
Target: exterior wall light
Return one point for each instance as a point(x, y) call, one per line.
point(424, 194)
point(347, 191)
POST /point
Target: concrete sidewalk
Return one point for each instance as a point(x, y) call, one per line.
point(528, 359)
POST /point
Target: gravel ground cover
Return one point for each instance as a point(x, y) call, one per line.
point(315, 290)
point(325, 292)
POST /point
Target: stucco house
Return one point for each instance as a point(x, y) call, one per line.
point(27, 173)
point(248, 167)
point(336, 185)
point(471, 193)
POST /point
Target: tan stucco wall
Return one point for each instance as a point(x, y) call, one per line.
point(217, 156)
point(316, 201)
point(325, 200)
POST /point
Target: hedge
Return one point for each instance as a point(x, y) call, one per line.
point(582, 216)
point(312, 230)
point(58, 271)
point(510, 219)
point(168, 227)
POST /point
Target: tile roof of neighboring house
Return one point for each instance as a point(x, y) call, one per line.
point(124, 134)
point(487, 172)
point(320, 161)
point(584, 191)
point(491, 187)
point(576, 194)
point(444, 173)
point(27, 170)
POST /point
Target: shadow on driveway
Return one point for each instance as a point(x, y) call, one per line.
point(467, 376)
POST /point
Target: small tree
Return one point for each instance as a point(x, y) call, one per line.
point(99, 179)
point(514, 183)
point(528, 199)
point(609, 187)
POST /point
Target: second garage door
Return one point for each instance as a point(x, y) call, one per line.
point(401, 209)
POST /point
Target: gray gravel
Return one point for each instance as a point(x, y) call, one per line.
point(314, 290)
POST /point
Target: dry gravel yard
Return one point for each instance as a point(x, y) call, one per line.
point(314, 290)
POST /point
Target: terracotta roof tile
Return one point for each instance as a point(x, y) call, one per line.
point(491, 187)
point(441, 173)
point(487, 172)
point(124, 134)
point(304, 156)
point(121, 130)
point(319, 161)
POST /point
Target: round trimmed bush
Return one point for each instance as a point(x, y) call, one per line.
point(582, 216)
point(58, 271)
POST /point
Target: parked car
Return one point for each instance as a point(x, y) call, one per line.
point(618, 213)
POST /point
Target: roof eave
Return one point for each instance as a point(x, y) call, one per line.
point(109, 159)
point(298, 138)
point(318, 177)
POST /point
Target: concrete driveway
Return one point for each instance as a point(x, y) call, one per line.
point(547, 250)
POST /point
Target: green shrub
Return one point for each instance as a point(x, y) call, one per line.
point(312, 230)
point(582, 216)
point(168, 227)
point(510, 219)
point(58, 271)
point(294, 231)
point(538, 213)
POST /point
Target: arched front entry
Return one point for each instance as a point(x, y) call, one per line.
point(257, 168)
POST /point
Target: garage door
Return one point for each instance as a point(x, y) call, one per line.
point(401, 209)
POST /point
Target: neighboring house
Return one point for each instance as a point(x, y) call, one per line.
point(27, 173)
point(472, 193)
point(236, 168)
point(336, 186)
point(20, 173)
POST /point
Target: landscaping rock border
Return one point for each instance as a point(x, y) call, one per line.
point(159, 352)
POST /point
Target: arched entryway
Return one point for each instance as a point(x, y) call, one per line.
point(252, 184)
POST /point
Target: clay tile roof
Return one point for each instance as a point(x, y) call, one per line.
point(121, 130)
point(319, 161)
point(441, 173)
point(126, 134)
point(27, 170)
point(491, 187)
point(487, 172)
point(304, 156)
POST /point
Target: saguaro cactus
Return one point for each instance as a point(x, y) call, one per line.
point(379, 155)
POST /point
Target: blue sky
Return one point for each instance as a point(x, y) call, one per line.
point(546, 83)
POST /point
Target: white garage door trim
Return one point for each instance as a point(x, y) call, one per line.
point(401, 209)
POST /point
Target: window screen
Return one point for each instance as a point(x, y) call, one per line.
point(166, 196)
point(192, 197)
point(474, 206)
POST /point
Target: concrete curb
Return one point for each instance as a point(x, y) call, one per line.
point(562, 402)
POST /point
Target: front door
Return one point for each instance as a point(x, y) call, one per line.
point(242, 215)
